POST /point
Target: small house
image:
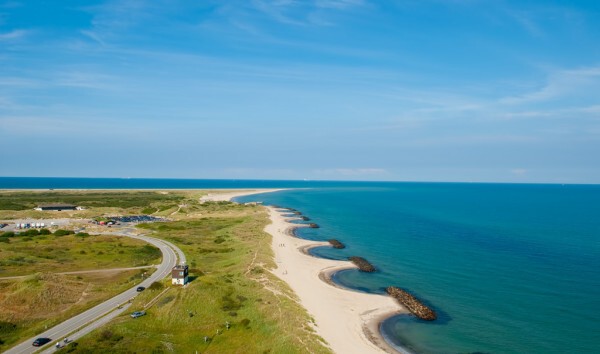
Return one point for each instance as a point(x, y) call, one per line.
point(180, 274)
point(58, 207)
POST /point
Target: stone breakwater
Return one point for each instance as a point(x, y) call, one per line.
point(336, 244)
point(313, 226)
point(362, 264)
point(411, 303)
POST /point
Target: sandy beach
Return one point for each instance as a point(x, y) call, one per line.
point(347, 320)
point(226, 195)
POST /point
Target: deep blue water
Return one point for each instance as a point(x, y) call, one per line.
point(509, 268)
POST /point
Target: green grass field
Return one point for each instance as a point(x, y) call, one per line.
point(226, 248)
point(42, 300)
point(10, 200)
point(49, 253)
point(229, 255)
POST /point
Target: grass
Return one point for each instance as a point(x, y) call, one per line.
point(28, 306)
point(90, 199)
point(50, 253)
point(20, 204)
point(229, 256)
point(226, 248)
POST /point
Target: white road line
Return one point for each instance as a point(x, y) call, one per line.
point(60, 331)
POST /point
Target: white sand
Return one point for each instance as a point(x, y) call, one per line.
point(347, 320)
point(228, 194)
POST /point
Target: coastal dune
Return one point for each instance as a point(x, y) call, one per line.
point(348, 320)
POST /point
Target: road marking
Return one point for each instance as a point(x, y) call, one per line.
point(95, 314)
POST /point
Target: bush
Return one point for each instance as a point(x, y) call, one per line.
point(8, 234)
point(6, 327)
point(148, 210)
point(245, 322)
point(30, 232)
point(4, 239)
point(165, 300)
point(219, 239)
point(71, 347)
point(156, 286)
point(45, 232)
point(108, 335)
point(82, 234)
point(61, 232)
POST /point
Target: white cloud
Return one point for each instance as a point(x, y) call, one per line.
point(13, 35)
point(351, 171)
point(561, 83)
point(94, 36)
point(338, 4)
point(302, 13)
point(13, 82)
point(87, 80)
point(519, 171)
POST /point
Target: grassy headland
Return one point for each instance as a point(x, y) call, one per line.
point(229, 255)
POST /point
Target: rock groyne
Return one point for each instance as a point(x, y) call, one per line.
point(336, 244)
point(411, 303)
point(362, 264)
point(313, 226)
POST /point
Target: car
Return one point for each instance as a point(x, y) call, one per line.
point(138, 314)
point(140, 288)
point(38, 342)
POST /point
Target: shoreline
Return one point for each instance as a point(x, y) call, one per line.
point(348, 320)
point(226, 195)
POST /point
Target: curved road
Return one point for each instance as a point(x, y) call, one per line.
point(60, 331)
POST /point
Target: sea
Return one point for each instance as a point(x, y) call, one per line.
point(508, 268)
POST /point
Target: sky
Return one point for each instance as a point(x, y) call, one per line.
point(405, 90)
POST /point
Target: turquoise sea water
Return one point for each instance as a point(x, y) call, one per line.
point(508, 268)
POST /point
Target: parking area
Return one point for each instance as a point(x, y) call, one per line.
point(137, 218)
point(22, 224)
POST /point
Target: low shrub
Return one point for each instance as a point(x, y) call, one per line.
point(156, 286)
point(61, 232)
point(245, 322)
point(30, 232)
point(6, 327)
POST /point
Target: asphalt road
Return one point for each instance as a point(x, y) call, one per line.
point(62, 330)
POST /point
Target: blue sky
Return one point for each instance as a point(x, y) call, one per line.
point(427, 90)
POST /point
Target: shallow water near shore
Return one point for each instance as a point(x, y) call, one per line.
point(508, 268)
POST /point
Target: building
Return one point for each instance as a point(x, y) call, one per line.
point(180, 274)
point(58, 207)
